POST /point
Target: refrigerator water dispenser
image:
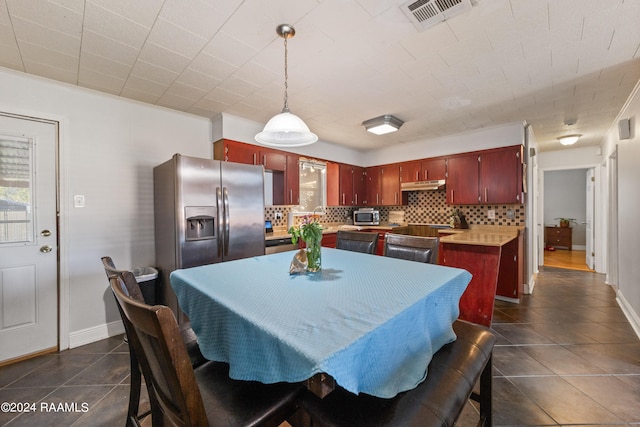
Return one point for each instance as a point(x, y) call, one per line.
point(200, 222)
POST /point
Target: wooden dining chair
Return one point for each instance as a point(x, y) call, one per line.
point(412, 248)
point(134, 413)
point(204, 396)
point(357, 241)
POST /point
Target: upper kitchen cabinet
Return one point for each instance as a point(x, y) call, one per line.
point(274, 160)
point(292, 179)
point(346, 185)
point(433, 169)
point(373, 186)
point(423, 170)
point(237, 152)
point(240, 152)
point(487, 177)
point(501, 175)
point(463, 174)
point(359, 186)
point(333, 184)
point(281, 168)
point(352, 184)
point(390, 194)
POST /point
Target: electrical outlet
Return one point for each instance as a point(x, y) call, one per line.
point(278, 215)
point(491, 214)
point(511, 214)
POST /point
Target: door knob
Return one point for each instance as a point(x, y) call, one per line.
point(45, 233)
point(46, 249)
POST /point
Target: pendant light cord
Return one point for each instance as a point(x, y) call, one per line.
point(285, 109)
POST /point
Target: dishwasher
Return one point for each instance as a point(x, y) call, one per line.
point(272, 246)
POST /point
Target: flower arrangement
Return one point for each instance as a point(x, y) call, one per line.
point(310, 232)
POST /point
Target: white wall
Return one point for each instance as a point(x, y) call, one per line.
point(109, 146)
point(628, 166)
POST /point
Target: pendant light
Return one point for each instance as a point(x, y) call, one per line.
point(286, 129)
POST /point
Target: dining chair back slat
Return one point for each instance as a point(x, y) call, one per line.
point(357, 241)
point(412, 248)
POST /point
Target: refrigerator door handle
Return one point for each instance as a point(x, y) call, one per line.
point(219, 219)
point(225, 201)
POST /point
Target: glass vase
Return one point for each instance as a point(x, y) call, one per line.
point(314, 258)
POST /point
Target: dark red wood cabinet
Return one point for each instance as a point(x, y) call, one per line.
point(501, 175)
point(463, 180)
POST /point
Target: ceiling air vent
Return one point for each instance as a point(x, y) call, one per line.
point(427, 13)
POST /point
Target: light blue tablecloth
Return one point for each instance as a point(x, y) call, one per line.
point(371, 322)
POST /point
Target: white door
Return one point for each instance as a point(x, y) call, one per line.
point(589, 217)
point(28, 237)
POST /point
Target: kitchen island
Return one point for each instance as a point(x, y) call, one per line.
point(494, 256)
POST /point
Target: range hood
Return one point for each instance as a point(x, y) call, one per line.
point(437, 184)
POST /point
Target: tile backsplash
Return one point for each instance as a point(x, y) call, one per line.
point(423, 207)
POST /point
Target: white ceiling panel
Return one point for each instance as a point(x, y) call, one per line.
point(110, 24)
point(504, 61)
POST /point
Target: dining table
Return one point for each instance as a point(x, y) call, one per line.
point(369, 323)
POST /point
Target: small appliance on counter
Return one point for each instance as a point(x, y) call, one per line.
point(396, 218)
point(366, 216)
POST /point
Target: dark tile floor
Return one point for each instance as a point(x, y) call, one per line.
point(565, 356)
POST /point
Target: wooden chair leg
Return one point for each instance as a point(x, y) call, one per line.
point(134, 391)
point(486, 385)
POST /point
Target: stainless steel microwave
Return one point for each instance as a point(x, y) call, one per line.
point(366, 216)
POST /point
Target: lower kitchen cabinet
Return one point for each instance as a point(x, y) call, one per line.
point(329, 240)
point(511, 271)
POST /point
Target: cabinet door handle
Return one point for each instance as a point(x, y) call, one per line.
point(264, 160)
point(417, 175)
point(254, 158)
point(356, 199)
point(291, 196)
point(485, 194)
point(451, 196)
point(343, 199)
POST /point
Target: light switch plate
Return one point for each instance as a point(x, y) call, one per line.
point(78, 201)
point(491, 214)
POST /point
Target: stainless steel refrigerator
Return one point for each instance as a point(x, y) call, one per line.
point(206, 211)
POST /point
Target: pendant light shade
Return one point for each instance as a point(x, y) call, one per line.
point(286, 129)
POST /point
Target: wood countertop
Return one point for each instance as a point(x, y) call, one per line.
point(485, 235)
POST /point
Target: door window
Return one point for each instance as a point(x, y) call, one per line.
point(16, 190)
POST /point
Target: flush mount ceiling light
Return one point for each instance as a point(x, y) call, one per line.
point(569, 139)
point(383, 124)
point(286, 129)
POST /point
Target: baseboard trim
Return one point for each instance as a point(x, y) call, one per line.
point(507, 299)
point(96, 333)
point(629, 313)
point(528, 287)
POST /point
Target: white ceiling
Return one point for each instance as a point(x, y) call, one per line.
point(504, 61)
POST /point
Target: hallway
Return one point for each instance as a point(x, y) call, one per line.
point(565, 356)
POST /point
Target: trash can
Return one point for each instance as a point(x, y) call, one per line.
point(147, 278)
